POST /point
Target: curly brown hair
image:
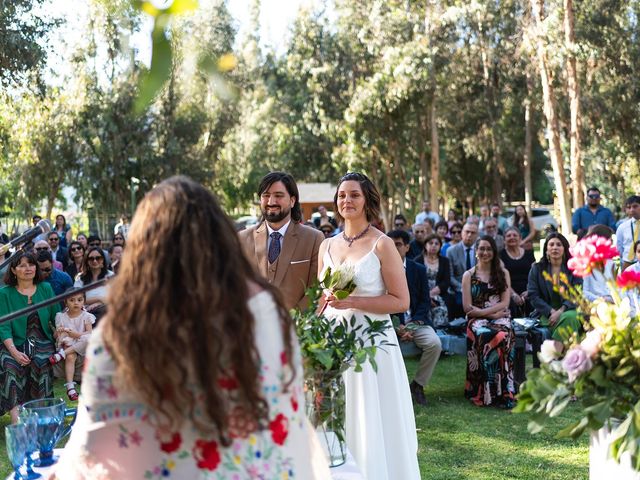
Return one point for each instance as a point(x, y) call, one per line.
point(179, 324)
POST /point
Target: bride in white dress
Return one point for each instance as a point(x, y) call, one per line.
point(380, 424)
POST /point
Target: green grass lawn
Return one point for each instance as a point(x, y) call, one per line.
point(460, 441)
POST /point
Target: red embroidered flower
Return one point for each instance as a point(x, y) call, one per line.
point(206, 454)
point(283, 358)
point(589, 253)
point(294, 403)
point(279, 429)
point(628, 280)
point(169, 443)
point(228, 383)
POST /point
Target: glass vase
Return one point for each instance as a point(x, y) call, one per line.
point(325, 399)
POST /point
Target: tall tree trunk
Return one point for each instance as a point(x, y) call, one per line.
point(424, 165)
point(435, 159)
point(573, 87)
point(528, 140)
point(553, 129)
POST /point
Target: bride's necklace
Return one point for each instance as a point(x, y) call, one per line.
point(350, 240)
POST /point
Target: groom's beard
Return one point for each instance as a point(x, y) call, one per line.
point(276, 216)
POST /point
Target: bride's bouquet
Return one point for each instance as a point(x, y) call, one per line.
point(338, 282)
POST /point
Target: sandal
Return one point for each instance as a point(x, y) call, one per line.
point(72, 394)
point(55, 358)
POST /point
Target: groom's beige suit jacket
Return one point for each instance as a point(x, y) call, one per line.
point(297, 265)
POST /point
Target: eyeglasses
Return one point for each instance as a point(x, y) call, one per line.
point(399, 224)
point(40, 249)
point(94, 244)
point(594, 196)
point(53, 239)
point(75, 249)
point(46, 270)
point(456, 231)
point(97, 258)
point(118, 238)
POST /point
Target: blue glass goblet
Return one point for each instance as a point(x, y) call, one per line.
point(16, 438)
point(50, 422)
point(30, 420)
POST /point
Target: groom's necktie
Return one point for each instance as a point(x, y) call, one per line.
point(274, 248)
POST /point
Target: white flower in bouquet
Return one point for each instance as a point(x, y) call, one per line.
point(343, 275)
point(591, 343)
point(550, 350)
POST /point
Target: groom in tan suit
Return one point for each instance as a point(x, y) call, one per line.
point(283, 250)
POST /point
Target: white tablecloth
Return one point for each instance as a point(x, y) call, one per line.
point(348, 471)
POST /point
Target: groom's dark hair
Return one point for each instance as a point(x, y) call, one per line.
point(370, 192)
point(290, 184)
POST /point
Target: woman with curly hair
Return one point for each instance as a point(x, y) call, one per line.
point(194, 371)
point(490, 337)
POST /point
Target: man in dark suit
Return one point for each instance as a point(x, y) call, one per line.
point(462, 257)
point(57, 252)
point(419, 313)
point(281, 249)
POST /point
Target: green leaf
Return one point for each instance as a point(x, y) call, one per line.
point(182, 6)
point(341, 294)
point(152, 81)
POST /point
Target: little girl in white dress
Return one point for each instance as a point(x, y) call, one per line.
point(73, 329)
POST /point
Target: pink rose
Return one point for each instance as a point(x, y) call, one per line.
point(590, 253)
point(629, 280)
point(576, 362)
point(591, 343)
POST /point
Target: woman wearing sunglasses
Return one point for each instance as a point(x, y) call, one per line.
point(76, 259)
point(94, 269)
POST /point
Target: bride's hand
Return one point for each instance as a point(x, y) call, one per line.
point(348, 302)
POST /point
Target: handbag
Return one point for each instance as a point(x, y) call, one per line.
point(29, 347)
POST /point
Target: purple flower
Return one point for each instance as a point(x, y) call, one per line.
point(576, 362)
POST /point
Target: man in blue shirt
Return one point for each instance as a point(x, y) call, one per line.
point(59, 281)
point(592, 213)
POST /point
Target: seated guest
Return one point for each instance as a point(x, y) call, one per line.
point(400, 223)
point(76, 259)
point(490, 336)
point(424, 337)
point(225, 399)
point(115, 252)
point(57, 252)
point(420, 232)
point(438, 277)
point(555, 312)
point(491, 229)
point(518, 263)
point(59, 281)
point(462, 257)
point(455, 232)
point(94, 269)
point(96, 241)
point(43, 246)
point(324, 219)
point(442, 230)
point(73, 329)
point(594, 286)
point(522, 221)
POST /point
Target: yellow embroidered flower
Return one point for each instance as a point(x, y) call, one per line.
point(285, 475)
point(237, 459)
point(252, 440)
point(171, 464)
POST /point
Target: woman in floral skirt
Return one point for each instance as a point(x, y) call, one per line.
point(490, 336)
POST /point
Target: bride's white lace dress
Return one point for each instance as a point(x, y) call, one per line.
point(380, 423)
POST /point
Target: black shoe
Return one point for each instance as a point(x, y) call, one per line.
point(417, 393)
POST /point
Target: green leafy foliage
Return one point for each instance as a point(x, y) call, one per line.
point(333, 345)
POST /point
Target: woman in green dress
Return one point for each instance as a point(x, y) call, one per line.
point(555, 312)
point(27, 341)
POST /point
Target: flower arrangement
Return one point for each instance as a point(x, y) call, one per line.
point(599, 368)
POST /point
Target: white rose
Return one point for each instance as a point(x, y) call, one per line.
point(591, 343)
point(550, 350)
